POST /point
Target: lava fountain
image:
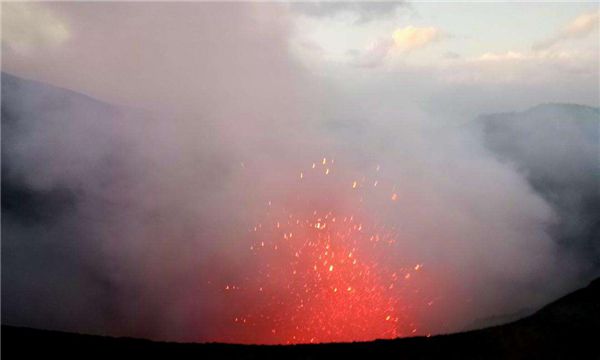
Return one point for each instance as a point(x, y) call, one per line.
point(327, 271)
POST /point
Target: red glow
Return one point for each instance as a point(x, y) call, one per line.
point(324, 275)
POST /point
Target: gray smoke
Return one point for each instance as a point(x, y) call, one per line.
point(120, 214)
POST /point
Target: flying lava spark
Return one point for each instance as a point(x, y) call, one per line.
point(326, 269)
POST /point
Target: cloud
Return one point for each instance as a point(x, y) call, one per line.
point(411, 38)
point(521, 67)
point(523, 56)
point(506, 56)
point(583, 24)
point(402, 41)
point(365, 10)
point(29, 25)
point(580, 27)
point(374, 55)
point(451, 55)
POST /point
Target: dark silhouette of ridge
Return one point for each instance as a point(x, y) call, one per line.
point(568, 328)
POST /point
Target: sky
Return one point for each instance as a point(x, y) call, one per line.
point(445, 47)
point(470, 29)
point(214, 169)
point(454, 47)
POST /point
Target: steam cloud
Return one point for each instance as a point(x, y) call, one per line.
point(125, 219)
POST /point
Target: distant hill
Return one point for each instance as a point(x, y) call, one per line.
point(557, 147)
point(45, 130)
point(28, 108)
point(568, 328)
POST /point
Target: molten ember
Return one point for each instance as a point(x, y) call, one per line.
point(327, 271)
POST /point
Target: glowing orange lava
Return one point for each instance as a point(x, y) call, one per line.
point(324, 275)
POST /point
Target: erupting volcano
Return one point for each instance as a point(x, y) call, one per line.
point(325, 267)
